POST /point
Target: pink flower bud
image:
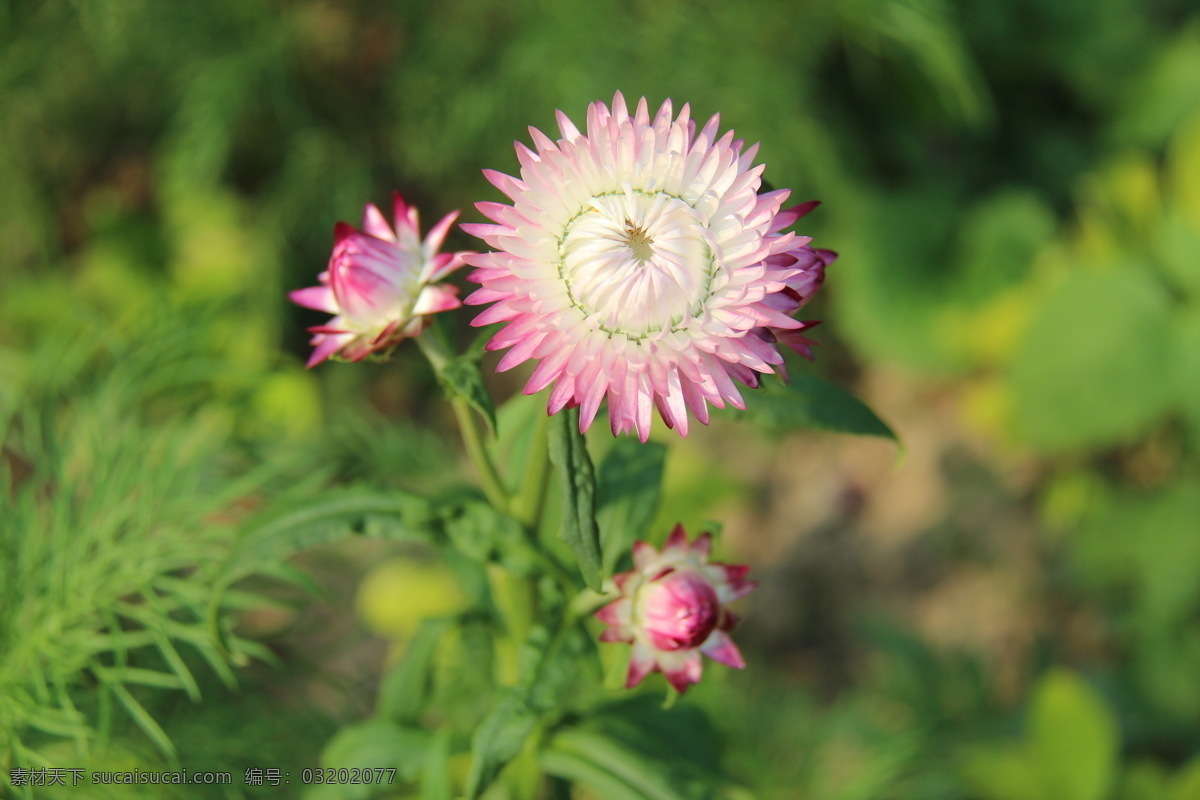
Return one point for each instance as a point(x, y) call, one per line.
point(381, 284)
point(679, 610)
point(672, 609)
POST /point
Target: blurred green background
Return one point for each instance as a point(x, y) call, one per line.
point(1012, 613)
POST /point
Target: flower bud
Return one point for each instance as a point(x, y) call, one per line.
point(672, 609)
point(380, 284)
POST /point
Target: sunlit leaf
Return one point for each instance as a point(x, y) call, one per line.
point(1072, 739)
point(807, 401)
point(568, 452)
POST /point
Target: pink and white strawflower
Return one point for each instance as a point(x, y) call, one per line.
point(673, 608)
point(639, 263)
point(381, 284)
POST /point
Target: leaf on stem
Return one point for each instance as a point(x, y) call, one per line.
point(403, 692)
point(568, 452)
point(547, 671)
point(811, 402)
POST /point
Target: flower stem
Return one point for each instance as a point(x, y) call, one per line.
point(468, 424)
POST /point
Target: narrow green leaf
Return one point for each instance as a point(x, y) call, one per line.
point(627, 490)
point(568, 452)
point(403, 692)
point(144, 677)
point(811, 402)
point(137, 712)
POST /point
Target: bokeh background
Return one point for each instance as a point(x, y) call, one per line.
point(1007, 608)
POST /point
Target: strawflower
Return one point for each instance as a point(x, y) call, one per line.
point(381, 284)
point(639, 263)
point(672, 609)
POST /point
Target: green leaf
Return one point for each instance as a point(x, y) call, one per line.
point(997, 241)
point(461, 376)
point(618, 770)
point(1093, 368)
point(500, 738)
point(331, 516)
point(373, 744)
point(568, 452)
point(484, 534)
point(811, 402)
point(627, 491)
point(634, 748)
point(137, 712)
point(436, 783)
point(1073, 739)
point(1185, 785)
point(1002, 772)
point(404, 689)
point(548, 669)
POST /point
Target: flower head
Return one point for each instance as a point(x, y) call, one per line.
point(673, 608)
point(380, 284)
point(639, 262)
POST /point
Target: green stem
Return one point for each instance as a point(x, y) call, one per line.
point(468, 425)
point(514, 598)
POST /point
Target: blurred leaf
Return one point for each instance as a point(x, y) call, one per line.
point(634, 748)
point(617, 770)
point(919, 36)
point(807, 401)
point(548, 669)
point(1184, 169)
point(370, 745)
point(1090, 370)
point(997, 242)
point(568, 452)
point(1165, 92)
point(330, 516)
point(484, 534)
point(436, 783)
point(1072, 739)
point(1143, 781)
point(1185, 784)
point(1003, 772)
point(627, 491)
point(499, 739)
point(137, 712)
point(404, 689)
point(1147, 541)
